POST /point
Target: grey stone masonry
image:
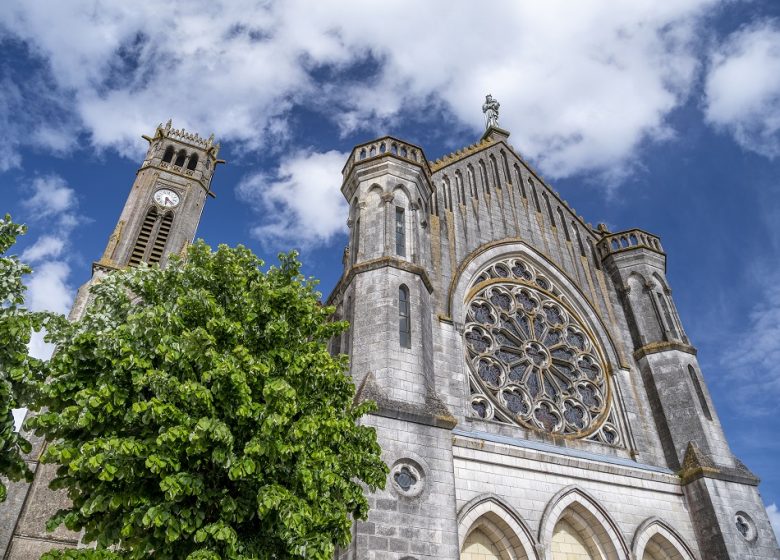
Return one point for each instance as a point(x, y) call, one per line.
point(651, 476)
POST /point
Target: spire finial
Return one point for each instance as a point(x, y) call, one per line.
point(490, 108)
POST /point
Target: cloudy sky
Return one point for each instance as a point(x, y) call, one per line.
point(659, 115)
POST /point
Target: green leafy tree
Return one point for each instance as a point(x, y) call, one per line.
point(196, 413)
point(18, 370)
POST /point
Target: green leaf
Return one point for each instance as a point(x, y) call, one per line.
point(197, 413)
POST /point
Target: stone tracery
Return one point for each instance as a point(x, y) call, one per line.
point(532, 360)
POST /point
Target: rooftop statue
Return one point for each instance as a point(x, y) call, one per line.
point(490, 108)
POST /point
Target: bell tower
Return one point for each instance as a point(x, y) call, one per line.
point(165, 203)
point(166, 200)
point(160, 217)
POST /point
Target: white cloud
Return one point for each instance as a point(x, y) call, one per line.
point(47, 288)
point(774, 518)
point(743, 87)
point(52, 206)
point(301, 201)
point(51, 196)
point(582, 84)
point(752, 360)
point(45, 247)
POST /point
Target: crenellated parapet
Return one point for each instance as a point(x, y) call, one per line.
point(387, 146)
point(182, 135)
point(627, 241)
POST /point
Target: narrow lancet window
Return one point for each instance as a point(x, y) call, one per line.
point(536, 196)
point(506, 167)
point(563, 224)
point(180, 158)
point(520, 180)
point(356, 241)
point(472, 182)
point(484, 177)
point(400, 232)
point(459, 187)
point(168, 157)
point(699, 392)
point(404, 318)
point(193, 163)
point(549, 208)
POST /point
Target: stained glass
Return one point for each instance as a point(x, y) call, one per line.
point(530, 358)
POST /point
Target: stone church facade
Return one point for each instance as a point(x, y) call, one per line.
point(538, 397)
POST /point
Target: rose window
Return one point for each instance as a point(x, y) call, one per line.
point(532, 361)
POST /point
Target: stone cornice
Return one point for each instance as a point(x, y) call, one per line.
point(376, 264)
point(656, 347)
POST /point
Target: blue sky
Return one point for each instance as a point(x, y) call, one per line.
point(658, 115)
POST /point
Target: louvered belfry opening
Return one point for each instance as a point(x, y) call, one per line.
point(152, 237)
point(161, 238)
point(147, 228)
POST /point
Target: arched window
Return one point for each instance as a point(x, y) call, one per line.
point(563, 224)
point(447, 193)
point(459, 187)
point(404, 318)
point(594, 254)
point(142, 241)
point(394, 149)
point(699, 392)
point(180, 158)
point(382, 148)
point(579, 238)
point(519, 177)
point(472, 182)
point(400, 232)
point(484, 176)
point(373, 151)
point(536, 196)
point(494, 167)
point(168, 154)
point(549, 208)
point(363, 153)
point(193, 163)
point(664, 304)
point(506, 167)
point(356, 241)
point(348, 333)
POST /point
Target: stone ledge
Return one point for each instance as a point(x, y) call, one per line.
point(697, 464)
point(376, 264)
point(433, 413)
point(656, 347)
point(564, 457)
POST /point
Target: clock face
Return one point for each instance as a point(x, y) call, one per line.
point(166, 197)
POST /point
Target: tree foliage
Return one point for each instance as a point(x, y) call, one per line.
point(18, 371)
point(196, 413)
